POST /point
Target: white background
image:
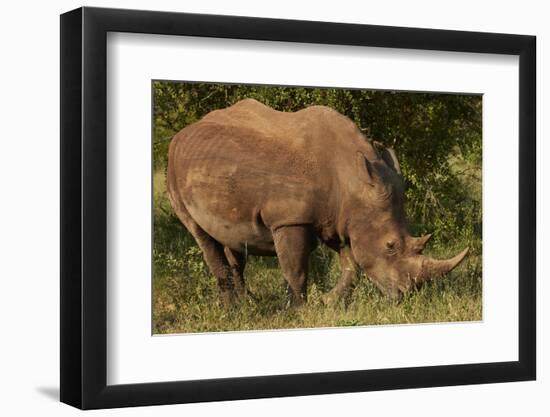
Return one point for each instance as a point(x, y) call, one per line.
point(134, 356)
point(29, 218)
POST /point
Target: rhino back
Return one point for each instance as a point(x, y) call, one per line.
point(243, 171)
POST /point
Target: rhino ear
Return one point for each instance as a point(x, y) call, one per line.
point(365, 168)
point(389, 156)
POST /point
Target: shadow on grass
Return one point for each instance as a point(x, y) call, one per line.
point(49, 392)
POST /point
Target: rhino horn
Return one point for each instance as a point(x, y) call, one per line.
point(419, 243)
point(433, 268)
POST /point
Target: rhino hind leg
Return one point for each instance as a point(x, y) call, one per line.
point(214, 256)
point(216, 260)
point(293, 246)
point(237, 263)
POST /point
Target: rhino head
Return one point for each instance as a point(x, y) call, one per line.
point(380, 241)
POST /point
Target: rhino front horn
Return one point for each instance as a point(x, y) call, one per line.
point(432, 268)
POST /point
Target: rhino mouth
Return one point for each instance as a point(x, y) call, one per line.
point(421, 269)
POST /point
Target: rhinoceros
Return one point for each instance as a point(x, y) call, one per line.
point(248, 179)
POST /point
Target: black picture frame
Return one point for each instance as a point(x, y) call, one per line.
point(84, 207)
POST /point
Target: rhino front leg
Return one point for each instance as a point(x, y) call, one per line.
point(293, 247)
point(349, 272)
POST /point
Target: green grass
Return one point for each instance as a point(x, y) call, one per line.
point(185, 297)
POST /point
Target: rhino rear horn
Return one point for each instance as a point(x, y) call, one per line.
point(419, 243)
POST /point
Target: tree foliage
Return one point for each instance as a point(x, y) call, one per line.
point(437, 138)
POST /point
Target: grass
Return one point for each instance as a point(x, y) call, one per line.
point(185, 297)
